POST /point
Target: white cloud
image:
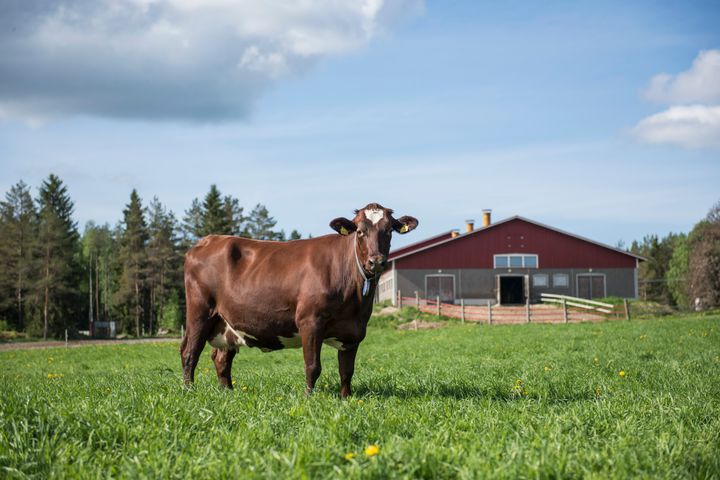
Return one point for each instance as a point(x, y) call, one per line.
point(170, 59)
point(693, 119)
point(700, 84)
point(694, 126)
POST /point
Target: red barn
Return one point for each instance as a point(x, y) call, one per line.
point(508, 262)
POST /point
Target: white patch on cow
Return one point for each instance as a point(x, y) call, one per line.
point(220, 340)
point(291, 342)
point(374, 215)
point(334, 343)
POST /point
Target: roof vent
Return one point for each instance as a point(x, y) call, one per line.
point(486, 217)
point(469, 225)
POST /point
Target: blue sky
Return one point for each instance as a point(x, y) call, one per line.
point(556, 111)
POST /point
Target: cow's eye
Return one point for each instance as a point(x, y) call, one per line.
point(360, 233)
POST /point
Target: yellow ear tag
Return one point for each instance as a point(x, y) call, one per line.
point(404, 229)
point(343, 231)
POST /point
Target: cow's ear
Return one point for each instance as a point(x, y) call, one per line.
point(404, 224)
point(343, 226)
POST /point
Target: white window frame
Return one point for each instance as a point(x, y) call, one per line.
point(541, 275)
point(523, 255)
point(567, 280)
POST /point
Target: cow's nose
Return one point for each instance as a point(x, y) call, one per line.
point(376, 262)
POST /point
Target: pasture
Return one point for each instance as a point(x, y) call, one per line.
point(602, 400)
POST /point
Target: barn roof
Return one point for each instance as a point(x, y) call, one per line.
point(404, 252)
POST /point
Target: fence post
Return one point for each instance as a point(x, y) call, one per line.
point(66, 338)
point(438, 306)
point(399, 302)
point(417, 300)
point(527, 309)
point(462, 310)
point(565, 312)
point(627, 309)
point(489, 313)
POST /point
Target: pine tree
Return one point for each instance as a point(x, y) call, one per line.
point(60, 270)
point(18, 235)
point(133, 260)
point(295, 235)
point(260, 225)
point(164, 261)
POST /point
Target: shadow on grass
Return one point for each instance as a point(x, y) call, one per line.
point(494, 393)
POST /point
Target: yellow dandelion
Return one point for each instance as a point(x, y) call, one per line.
point(643, 337)
point(127, 366)
point(360, 402)
point(372, 450)
point(622, 373)
point(233, 382)
point(349, 456)
point(547, 369)
point(244, 389)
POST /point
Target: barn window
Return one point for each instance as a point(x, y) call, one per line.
point(540, 280)
point(516, 261)
point(561, 280)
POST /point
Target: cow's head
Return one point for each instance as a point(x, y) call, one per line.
point(373, 226)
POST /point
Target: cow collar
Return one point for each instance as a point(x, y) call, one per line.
point(366, 283)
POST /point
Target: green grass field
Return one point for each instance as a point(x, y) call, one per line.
point(615, 399)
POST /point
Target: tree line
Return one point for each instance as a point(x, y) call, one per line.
point(54, 278)
point(682, 270)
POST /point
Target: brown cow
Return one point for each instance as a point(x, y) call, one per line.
point(275, 295)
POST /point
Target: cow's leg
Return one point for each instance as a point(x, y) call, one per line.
point(311, 345)
point(346, 362)
point(223, 365)
point(198, 326)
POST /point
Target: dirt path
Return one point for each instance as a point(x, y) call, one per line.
point(81, 343)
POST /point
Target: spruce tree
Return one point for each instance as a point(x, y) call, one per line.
point(58, 265)
point(164, 260)
point(133, 260)
point(214, 215)
point(18, 243)
point(260, 225)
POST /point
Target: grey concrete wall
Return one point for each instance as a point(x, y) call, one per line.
point(480, 283)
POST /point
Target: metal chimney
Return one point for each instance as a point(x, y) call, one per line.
point(469, 225)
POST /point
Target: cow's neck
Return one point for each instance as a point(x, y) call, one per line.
point(352, 266)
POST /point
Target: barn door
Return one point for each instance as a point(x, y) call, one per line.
point(591, 286)
point(440, 285)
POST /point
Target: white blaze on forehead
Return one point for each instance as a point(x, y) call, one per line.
point(374, 215)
